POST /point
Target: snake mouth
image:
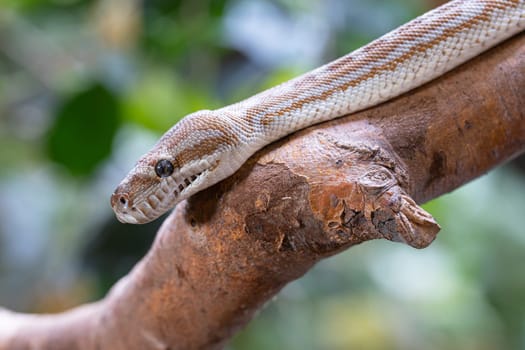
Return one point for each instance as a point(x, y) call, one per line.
point(133, 217)
point(167, 195)
point(164, 196)
point(187, 182)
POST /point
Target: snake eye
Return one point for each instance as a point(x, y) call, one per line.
point(164, 168)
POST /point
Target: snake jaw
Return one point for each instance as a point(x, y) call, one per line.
point(129, 218)
point(142, 196)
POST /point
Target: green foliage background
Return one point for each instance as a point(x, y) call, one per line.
point(87, 86)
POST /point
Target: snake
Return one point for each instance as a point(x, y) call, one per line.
point(208, 146)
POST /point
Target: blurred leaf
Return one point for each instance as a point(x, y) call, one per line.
point(173, 30)
point(162, 6)
point(280, 76)
point(83, 132)
point(43, 5)
point(217, 7)
point(159, 101)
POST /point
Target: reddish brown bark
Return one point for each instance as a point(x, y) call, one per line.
point(229, 249)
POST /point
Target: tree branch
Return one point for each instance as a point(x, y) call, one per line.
point(225, 252)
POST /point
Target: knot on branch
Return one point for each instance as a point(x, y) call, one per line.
point(362, 195)
point(374, 206)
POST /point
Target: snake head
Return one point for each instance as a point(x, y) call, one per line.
point(155, 185)
point(194, 154)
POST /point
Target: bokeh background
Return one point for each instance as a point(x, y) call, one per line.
point(86, 86)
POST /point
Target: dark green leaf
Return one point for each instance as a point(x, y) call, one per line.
point(83, 132)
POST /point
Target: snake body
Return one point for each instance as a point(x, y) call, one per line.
point(208, 146)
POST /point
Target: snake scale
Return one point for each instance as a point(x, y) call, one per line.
point(208, 146)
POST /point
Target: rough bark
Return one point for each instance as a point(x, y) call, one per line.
point(224, 253)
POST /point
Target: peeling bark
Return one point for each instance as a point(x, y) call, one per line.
point(229, 249)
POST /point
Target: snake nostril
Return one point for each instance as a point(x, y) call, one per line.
point(120, 200)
